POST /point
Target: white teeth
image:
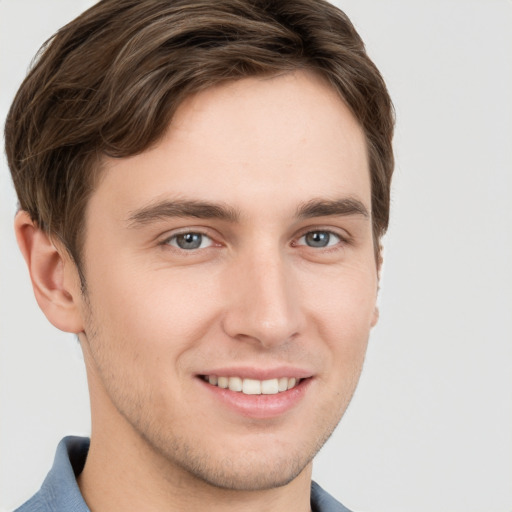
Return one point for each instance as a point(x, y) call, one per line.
point(235, 384)
point(223, 382)
point(270, 387)
point(253, 386)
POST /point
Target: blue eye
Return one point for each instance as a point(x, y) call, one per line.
point(319, 239)
point(190, 241)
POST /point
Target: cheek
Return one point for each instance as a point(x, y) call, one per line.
point(162, 309)
point(142, 331)
point(344, 298)
point(343, 312)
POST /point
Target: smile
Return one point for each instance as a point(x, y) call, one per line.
point(253, 386)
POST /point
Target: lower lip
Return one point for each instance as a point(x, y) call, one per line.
point(259, 406)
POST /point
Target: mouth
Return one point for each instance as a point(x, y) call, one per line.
point(248, 386)
point(258, 393)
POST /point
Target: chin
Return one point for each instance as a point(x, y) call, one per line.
point(249, 473)
point(267, 464)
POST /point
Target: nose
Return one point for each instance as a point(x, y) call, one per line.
point(263, 304)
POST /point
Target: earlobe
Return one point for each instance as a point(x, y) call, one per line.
point(53, 275)
point(375, 317)
point(376, 313)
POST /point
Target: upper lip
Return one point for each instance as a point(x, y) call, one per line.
point(251, 372)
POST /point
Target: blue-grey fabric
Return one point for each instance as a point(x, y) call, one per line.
point(322, 501)
point(60, 492)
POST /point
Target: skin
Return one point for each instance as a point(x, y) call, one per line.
point(254, 295)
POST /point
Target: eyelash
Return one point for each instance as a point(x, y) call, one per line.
point(342, 241)
point(331, 247)
point(167, 241)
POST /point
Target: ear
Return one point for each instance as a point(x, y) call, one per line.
point(376, 313)
point(375, 316)
point(53, 274)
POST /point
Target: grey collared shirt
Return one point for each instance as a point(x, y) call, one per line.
point(60, 492)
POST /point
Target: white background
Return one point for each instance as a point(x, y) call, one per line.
point(430, 427)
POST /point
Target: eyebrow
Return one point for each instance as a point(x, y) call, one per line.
point(182, 208)
point(205, 210)
point(337, 207)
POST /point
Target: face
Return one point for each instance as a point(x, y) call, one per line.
point(231, 283)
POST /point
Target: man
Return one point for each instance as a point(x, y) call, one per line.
point(203, 187)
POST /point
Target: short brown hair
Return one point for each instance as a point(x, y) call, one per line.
point(109, 82)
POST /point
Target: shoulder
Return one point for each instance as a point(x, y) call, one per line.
point(35, 504)
point(322, 501)
point(60, 492)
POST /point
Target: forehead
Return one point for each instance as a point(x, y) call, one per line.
point(287, 138)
